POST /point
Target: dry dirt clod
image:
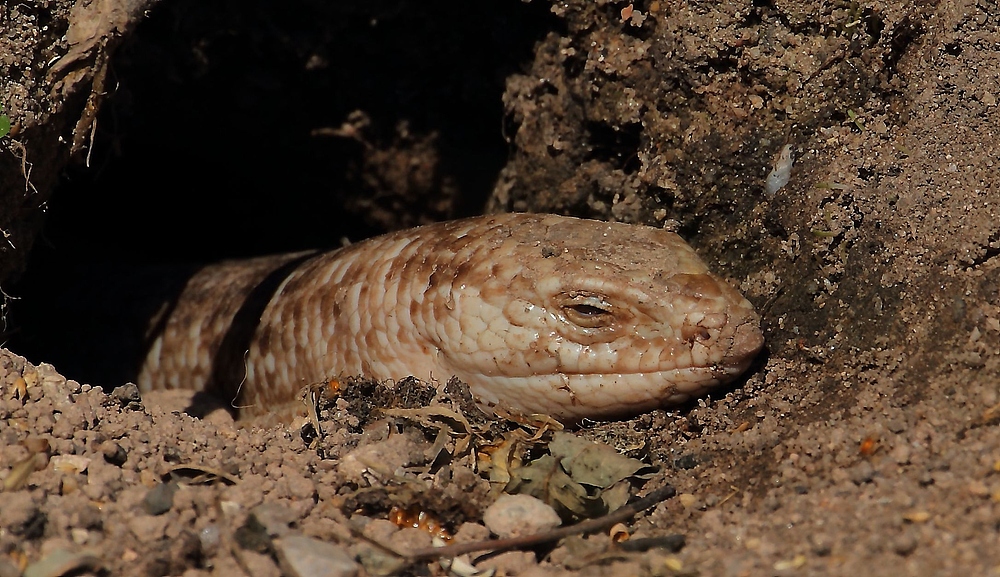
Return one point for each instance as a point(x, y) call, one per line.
point(20, 515)
point(127, 396)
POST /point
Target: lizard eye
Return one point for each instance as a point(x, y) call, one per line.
point(588, 312)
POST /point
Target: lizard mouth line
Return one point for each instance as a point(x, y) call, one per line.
point(709, 371)
point(730, 367)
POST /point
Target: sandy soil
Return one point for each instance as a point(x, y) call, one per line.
point(865, 441)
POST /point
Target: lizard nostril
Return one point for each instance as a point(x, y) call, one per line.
point(692, 333)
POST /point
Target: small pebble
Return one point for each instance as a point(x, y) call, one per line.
point(275, 518)
point(62, 562)
point(689, 461)
point(687, 500)
point(517, 515)
point(896, 425)
point(114, 453)
point(410, 539)
point(900, 454)
point(781, 173)
point(301, 556)
point(862, 473)
point(904, 544)
point(159, 499)
point(917, 516)
point(820, 544)
point(74, 464)
point(210, 538)
point(37, 444)
point(979, 489)
point(79, 536)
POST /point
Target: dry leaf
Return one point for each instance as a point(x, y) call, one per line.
point(580, 478)
point(595, 464)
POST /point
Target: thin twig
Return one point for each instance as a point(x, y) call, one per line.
point(619, 515)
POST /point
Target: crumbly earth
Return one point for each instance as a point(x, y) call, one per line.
point(865, 441)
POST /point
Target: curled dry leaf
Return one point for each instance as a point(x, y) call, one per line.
point(596, 464)
point(618, 533)
point(579, 478)
point(443, 419)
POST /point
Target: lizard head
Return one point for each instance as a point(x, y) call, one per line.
point(578, 318)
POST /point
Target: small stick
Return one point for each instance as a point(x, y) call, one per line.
point(619, 515)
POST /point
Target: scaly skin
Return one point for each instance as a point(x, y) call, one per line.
point(543, 314)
